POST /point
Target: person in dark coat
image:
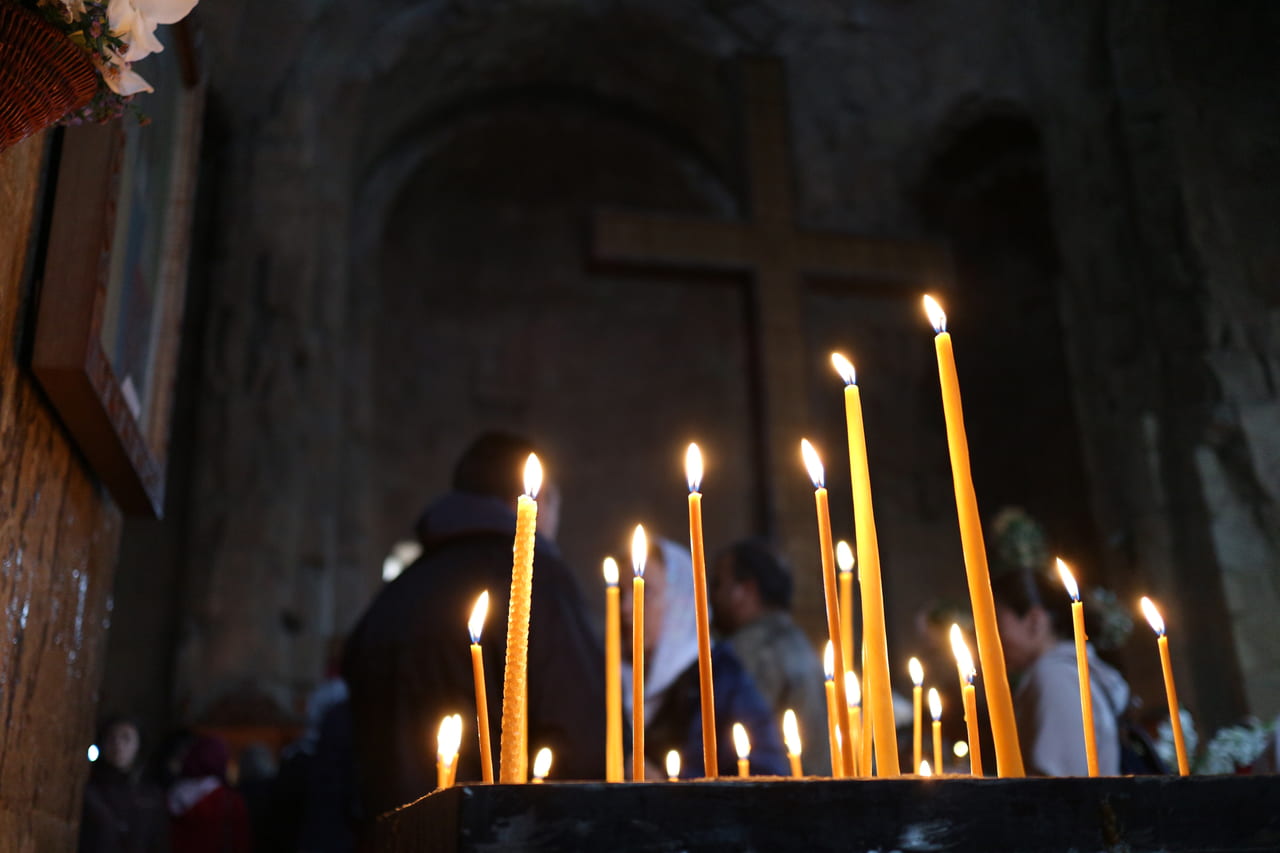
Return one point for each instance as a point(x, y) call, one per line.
point(408, 663)
point(208, 815)
point(121, 814)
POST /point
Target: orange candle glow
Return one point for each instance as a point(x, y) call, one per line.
point(964, 664)
point(515, 682)
point(816, 473)
point(639, 553)
point(693, 472)
point(613, 760)
point(474, 626)
point(925, 770)
point(1004, 730)
point(833, 711)
point(1170, 690)
point(853, 695)
point(673, 766)
point(917, 681)
point(448, 740)
point(845, 563)
point(541, 765)
point(875, 668)
point(742, 746)
point(935, 711)
point(1082, 668)
point(791, 737)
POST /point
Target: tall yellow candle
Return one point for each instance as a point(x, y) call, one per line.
point(875, 673)
point(1082, 668)
point(693, 470)
point(541, 765)
point(515, 681)
point(935, 711)
point(853, 695)
point(614, 762)
point(866, 738)
point(964, 665)
point(791, 737)
point(742, 745)
point(1004, 730)
point(833, 711)
point(639, 553)
point(474, 626)
point(816, 473)
point(845, 563)
point(917, 689)
point(448, 739)
point(1170, 690)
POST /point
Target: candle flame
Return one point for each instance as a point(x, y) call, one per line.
point(673, 764)
point(935, 704)
point(964, 659)
point(532, 475)
point(449, 737)
point(812, 463)
point(845, 368)
point(478, 614)
point(924, 767)
point(1068, 580)
point(852, 690)
point(610, 571)
point(916, 670)
point(639, 550)
point(844, 556)
point(829, 661)
point(960, 749)
point(693, 467)
point(1153, 616)
point(937, 316)
point(542, 763)
point(741, 743)
point(791, 732)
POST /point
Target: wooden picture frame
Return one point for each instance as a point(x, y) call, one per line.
point(108, 326)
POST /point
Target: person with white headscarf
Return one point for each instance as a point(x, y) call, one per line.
point(672, 693)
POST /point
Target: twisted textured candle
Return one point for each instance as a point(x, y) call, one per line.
point(1004, 730)
point(515, 682)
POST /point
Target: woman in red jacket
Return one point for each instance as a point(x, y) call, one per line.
point(208, 816)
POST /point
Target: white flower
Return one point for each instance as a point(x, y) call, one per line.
point(134, 22)
point(122, 79)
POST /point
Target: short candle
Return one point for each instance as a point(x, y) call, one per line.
point(474, 626)
point(673, 766)
point(639, 553)
point(935, 711)
point(964, 664)
point(917, 681)
point(742, 745)
point(541, 765)
point(791, 737)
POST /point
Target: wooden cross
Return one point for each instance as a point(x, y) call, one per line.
point(778, 257)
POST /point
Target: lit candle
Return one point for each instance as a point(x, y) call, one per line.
point(639, 553)
point(541, 765)
point(816, 473)
point(833, 711)
point(935, 711)
point(845, 563)
point(875, 668)
point(917, 689)
point(1170, 690)
point(515, 681)
point(673, 766)
point(964, 664)
point(1082, 668)
point(791, 737)
point(448, 740)
point(693, 472)
point(742, 745)
point(613, 760)
point(924, 769)
point(1004, 730)
point(853, 695)
point(960, 749)
point(474, 625)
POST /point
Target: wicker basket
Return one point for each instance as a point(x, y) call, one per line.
point(43, 74)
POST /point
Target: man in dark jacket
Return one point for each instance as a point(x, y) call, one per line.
point(408, 663)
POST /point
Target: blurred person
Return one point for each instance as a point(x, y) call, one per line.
point(121, 814)
point(208, 815)
point(673, 696)
point(407, 663)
